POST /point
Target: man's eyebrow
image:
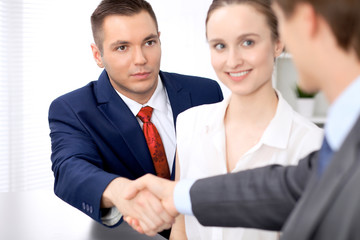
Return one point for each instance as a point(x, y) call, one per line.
point(151, 36)
point(119, 42)
point(122, 42)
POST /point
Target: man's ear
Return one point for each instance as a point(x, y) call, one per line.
point(159, 33)
point(308, 17)
point(97, 55)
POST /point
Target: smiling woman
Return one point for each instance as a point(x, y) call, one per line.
point(251, 128)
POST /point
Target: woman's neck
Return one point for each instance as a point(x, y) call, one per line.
point(245, 121)
point(253, 109)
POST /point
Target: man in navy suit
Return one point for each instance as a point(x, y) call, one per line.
point(97, 141)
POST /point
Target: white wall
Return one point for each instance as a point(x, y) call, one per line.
point(182, 27)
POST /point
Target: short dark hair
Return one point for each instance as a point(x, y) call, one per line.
point(342, 16)
point(263, 6)
point(116, 7)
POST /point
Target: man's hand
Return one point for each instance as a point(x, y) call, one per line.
point(161, 188)
point(144, 207)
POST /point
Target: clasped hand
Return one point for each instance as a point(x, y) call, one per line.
point(158, 193)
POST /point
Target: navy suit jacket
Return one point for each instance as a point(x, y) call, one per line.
point(96, 138)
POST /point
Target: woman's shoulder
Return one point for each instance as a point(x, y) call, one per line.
point(200, 112)
point(297, 119)
point(301, 129)
point(309, 136)
point(305, 123)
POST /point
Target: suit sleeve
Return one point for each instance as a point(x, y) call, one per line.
point(76, 163)
point(219, 92)
point(259, 198)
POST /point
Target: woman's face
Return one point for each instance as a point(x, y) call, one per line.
point(242, 49)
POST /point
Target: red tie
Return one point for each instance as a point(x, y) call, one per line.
point(154, 143)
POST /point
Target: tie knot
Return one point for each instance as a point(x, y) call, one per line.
point(145, 114)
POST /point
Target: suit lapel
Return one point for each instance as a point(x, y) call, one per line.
point(322, 191)
point(179, 98)
point(125, 123)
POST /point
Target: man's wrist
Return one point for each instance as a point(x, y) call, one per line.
point(182, 200)
point(113, 191)
point(111, 217)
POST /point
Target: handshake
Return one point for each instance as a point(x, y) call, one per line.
point(146, 203)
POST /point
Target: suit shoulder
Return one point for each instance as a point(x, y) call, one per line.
point(77, 96)
point(202, 90)
point(189, 80)
point(306, 124)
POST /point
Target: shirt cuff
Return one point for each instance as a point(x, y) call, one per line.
point(182, 198)
point(112, 217)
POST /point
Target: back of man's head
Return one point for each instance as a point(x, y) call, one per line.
point(341, 15)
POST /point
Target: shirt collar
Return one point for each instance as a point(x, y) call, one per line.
point(278, 131)
point(217, 123)
point(158, 100)
point(342, 115)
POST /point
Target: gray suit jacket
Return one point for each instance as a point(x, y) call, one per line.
point(292, 199)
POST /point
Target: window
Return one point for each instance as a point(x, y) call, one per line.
point(44, 52)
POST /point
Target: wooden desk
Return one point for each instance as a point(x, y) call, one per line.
point(41, 215)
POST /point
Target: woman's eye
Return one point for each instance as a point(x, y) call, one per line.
point(248, 43)
point(219, 46)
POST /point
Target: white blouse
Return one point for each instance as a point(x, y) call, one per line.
point(201, 151)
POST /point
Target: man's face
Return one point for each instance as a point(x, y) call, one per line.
point(131, 54)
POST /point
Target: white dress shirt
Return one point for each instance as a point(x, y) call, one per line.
point(342, 115)
point(162, 118)
point(202, 153)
